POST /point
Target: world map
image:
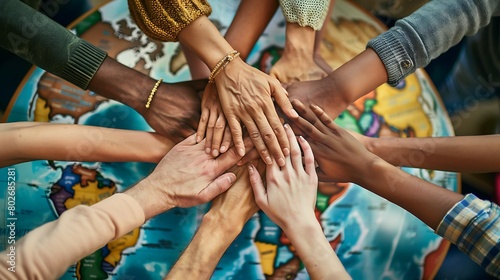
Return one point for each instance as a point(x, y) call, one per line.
point(373, 238)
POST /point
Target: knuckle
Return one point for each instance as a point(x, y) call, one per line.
point(254, 135)
point(268, 136)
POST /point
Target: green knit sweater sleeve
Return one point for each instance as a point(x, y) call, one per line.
point(43, 42)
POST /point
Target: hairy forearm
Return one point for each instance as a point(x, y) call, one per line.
point(201, 257)
point(426, 201)
point(473, 154)
point(320, 260)
point(79, 143)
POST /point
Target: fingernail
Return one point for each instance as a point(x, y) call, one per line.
point(281, 162)
point(286, 151)
point(223, 149)
point(241, 152)
point(250, 169)
point(302, 139)
point(197, 139)
point(269, 160)
point(239, 163)
point(215, 152)
point(286, 125)
point(207, 150)
point(231, 179)
point(315, 106)
point(294, 113)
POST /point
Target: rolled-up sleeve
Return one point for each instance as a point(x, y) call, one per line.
point(427, 33)
point(164, 19)
point(474, 226)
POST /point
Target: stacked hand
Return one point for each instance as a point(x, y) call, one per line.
point(339, 155)
point(213, 123)
point(246, 96)
point(291, 191)
point(185, 177)
point(295, 67)
point(176, 109)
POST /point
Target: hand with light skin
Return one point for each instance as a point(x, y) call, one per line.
point(213, 123)
point(245, 93)
point(185, 177)
point(297, 61)
point(288, 199)
point(220, 226)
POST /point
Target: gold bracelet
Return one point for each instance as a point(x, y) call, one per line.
point(153, 91)
point(222, 64)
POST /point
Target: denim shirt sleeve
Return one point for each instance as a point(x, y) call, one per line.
point(427, 33)
point(36, 38)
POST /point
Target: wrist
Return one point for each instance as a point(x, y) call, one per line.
point(108, 82)
point(299, 39)
point(214, 46)
point(150, 197)
point(301, 224)
point(230, 227)
point(373, 167)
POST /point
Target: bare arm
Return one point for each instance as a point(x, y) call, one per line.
point(337, 90)
point(289, 199)
point(220, 226)
point(252, 18)
point(32, 141)
point(342, 158)
point(473, 154)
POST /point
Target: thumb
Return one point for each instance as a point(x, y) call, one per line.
point(280, 95)
point(190, 141)
point(218, 186)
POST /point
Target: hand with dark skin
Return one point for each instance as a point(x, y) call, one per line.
point(175, 108)
point(341, 157)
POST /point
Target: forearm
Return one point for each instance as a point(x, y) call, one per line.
point(426, 201)
point(459, 154)
point(201, 257)
point(109, 82)
point(209, 45)
point(340, 82)
point(319, 258)
point(43, 42)
point(299, 39)
point(80, 231)
point(252, 17)
point(79, 143)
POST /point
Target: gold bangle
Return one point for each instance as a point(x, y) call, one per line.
point(152, 94)
point(222, 64)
